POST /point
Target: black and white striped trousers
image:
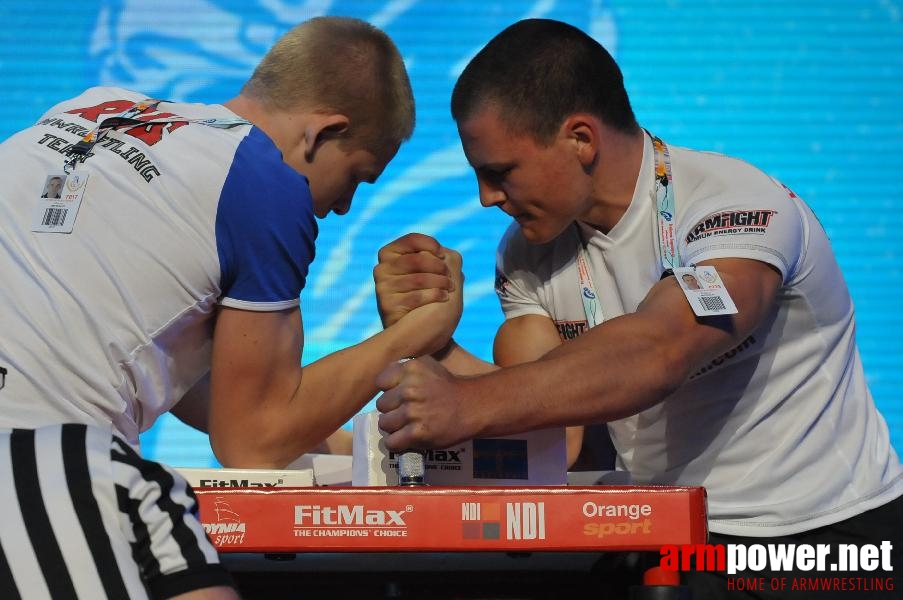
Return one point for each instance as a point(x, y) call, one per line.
point(83, 516)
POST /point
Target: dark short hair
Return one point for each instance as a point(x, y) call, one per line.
point(540, 71)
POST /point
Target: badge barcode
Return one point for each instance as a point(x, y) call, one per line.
point(54, 217)
point(712, 302)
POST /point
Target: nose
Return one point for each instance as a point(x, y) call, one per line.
point(490, 195)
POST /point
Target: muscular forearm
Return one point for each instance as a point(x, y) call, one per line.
point(461, 362)
point(619, 368)
point(334, 388)
point(295, 417)
point(615, 370)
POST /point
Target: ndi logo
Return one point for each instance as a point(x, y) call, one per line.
point(480, 520)
point(523, 520)
point(526, 520)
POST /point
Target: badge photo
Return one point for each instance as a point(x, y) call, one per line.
point(705, 291)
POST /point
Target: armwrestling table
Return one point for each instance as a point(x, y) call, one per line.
point(439, 543)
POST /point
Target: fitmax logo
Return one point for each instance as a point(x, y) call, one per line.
point(226, 483)
point(434, 455)
point(341, 515)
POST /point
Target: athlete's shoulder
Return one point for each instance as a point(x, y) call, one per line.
point(91, 98)
point(703, 175)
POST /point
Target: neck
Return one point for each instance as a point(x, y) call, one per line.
point(614, 175)
point(280, 126)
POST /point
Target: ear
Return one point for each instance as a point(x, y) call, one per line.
point(583, 131)
point(322, 128)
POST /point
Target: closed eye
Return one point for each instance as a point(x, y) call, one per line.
point(495, 174)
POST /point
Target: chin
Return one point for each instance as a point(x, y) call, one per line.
point(532, 237)
point(537, 235)
point(322, 212)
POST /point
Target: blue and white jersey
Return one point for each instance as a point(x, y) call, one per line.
point(113, 322)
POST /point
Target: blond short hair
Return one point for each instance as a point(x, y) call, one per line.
point(342, 65)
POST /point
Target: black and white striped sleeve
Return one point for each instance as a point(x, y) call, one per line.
point(169, 543)
point(86, 517)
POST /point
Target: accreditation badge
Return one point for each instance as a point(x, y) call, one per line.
point(705, 291)
point(61, 197)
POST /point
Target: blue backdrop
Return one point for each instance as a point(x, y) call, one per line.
point(808, 90)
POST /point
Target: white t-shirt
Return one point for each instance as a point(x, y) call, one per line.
point(112, 323)
point(781, 430)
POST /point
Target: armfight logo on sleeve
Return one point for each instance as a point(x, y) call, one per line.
point(731, 222)
point(569, 330)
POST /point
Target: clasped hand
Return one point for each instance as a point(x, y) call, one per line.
point(421, 406)
point(416, 278)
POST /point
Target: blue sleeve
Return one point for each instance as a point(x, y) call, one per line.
point(265, 229)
